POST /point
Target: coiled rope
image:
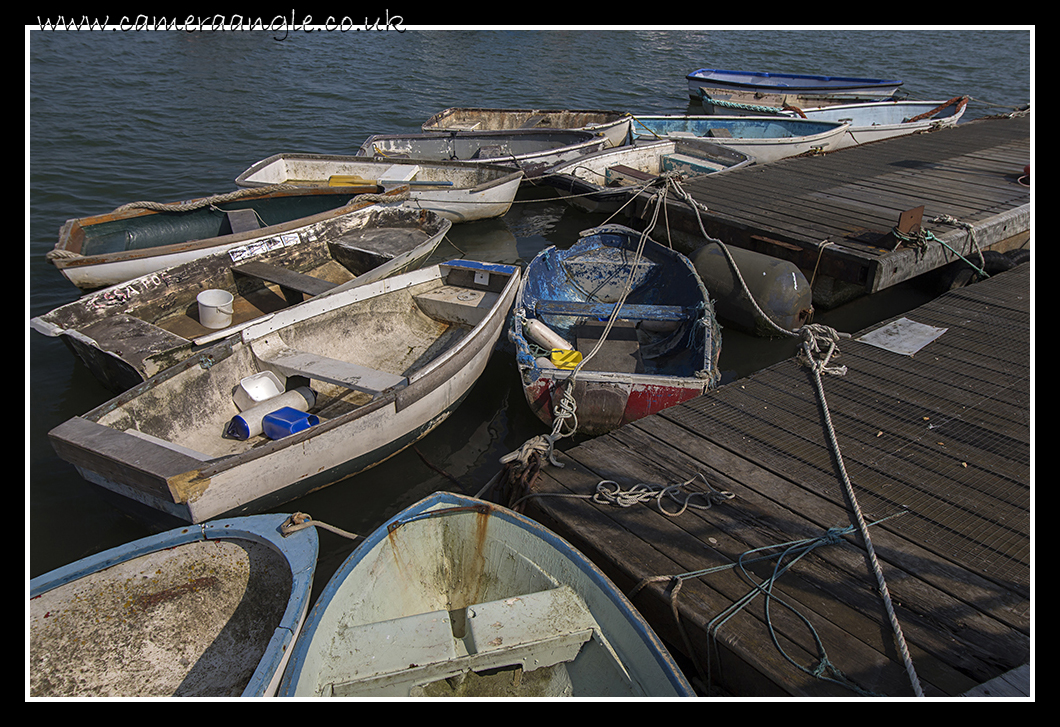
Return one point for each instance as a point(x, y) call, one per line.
point(609, 492)
point(793, 551)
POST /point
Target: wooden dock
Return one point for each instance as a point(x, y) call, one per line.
point(937, 447)
point(832, 214)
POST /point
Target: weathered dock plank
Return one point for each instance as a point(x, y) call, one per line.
point(1016, 683)
point(937, 448)
point(831, 215)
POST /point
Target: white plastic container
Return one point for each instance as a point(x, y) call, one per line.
point(256, 389)
point(215, 308)
point(248, 424)
point(545, 336)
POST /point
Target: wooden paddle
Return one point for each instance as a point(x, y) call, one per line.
point(347, 180)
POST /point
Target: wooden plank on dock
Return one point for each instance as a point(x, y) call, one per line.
point(1016, 683)
point(832, 214)
point(937, 448)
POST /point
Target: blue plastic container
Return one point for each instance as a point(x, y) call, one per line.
point(287, 421)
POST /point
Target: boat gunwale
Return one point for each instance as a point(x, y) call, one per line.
point(836, 128)
point(609, 119)
point(844, 82)
point(582, 139)
point(959, 108)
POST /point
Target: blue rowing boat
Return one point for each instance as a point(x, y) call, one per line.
point(207, 610)
point(764, 138)
point(730, 90)
point(459, 597)
point(660, 349)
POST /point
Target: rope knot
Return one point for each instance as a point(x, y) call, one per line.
point(297, 521)
point(814, 337)
point(833, 535)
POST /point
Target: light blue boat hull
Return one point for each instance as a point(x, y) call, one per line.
point(456, 596)
point(765, 138)
point(729, 92)
point(188, 612)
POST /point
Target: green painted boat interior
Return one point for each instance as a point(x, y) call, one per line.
point(172, 228)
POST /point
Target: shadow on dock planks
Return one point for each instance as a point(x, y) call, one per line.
point(942, 436)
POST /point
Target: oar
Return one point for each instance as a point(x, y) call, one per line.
point(346, 180)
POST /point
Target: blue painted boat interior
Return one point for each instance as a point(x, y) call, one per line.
point(750, 127)
point(567, 289)
point(787, 81)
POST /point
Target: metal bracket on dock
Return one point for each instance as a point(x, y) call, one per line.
point(908, 226)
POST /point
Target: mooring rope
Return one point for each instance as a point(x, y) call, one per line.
point(819, 367)
point(301, 521)
point(248, 192)
point(205, 201)
point(814, 339)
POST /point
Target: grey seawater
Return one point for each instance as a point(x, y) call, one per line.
point(120, 116)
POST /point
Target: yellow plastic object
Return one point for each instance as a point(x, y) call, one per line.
point(348, 180)
point(566, 359)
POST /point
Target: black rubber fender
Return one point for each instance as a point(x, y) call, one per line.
point(958, 273)
point(996, 262)
point(1018, 257)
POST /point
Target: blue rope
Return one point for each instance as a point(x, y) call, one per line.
point(796, 550)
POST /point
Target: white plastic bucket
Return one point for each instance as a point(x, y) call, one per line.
point(215, 308)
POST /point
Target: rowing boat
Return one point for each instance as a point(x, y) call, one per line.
point(456, 597)
point(658, 349)
point(765, 138)
point(879, 120)
point(459, 191)
point(198, 611)
point(727, 92)
point(612, 124)
point(129, 332)
point(528, 150)
point(359, 375)
point(144, 237)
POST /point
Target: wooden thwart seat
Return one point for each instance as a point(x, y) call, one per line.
point(620, 174)
point(538, 630)
point(242, 220)
point(286, 279)
point(630, 311)
point(292, 362)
